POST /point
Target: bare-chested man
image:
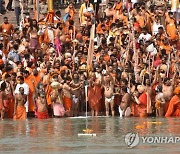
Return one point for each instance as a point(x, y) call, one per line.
point(4, 103)
point(41, 102)
point(67, 96)
point(167, 89)
point(124, 108)
point(19, 108)
point(75, 84)
point(9, 92)
point(160, 101)
point(108, 84)
point(42, 111)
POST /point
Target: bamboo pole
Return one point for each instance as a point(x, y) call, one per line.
point(50, 5)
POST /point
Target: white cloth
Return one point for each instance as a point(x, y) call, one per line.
point(51, 35)
point(127, 112)
point(3, 56)
point(146, 37)
point(26, 92)
point(152, 49)
point(155, 27)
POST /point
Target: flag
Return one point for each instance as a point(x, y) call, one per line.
point(91, 47)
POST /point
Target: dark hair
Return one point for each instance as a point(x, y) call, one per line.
point(124, 89)
point(161, 28)
point(26, 71)
point(1, 46)
point(3, 86)
point(14, 74)
point(159, 87)
point(166, 79)
point(125, 81)
point(26, 56)
point(5, 18)
point(8, 68)
point(21, 78)
point(16, 46)
point(7, 76)
point(58, 12)
point(32, 25)
point(29, 64)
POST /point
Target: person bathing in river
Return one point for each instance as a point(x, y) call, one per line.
point(124, 107)
point(41, 102)
point(56, 98)
point(160, 101)
point(76, 84)
point(19, 108)
point(108, 85)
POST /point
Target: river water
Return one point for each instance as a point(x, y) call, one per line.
point(61, 135)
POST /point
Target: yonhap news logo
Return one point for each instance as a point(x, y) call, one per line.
point(133, 139)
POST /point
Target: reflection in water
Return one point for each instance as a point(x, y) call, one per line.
point(55, 135)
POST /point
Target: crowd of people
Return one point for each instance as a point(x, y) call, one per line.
point(122, 60)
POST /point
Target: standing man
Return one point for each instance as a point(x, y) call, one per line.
point(4, 103)
point(6, 27)
point(17, 10)
point(41, 102)
point(30, 80)
point(124, 107)
point(160, 101)
point(94, 95)
point(108, 84)
point(56, 98)
point(9, 5)
point(84, 9)
point(20, 83)
point(76, 92)
point(174, 104)
point(19, 108)
point(9, 92)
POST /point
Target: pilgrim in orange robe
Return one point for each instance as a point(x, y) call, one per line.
point(94, 97)
point(31, 82)
point(142, 107)
point(174, 107)
point(119, 7)
point(171, 31)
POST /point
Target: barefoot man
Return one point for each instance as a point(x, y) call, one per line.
point(108, 84)
point(56, 98)
point(67, 97)
point(4, 103)
point(124, 108)
point(19, 108)
point(76, 84)
point(167, 90)
point(41, 102)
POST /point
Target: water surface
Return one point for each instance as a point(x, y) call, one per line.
point(61, 135)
